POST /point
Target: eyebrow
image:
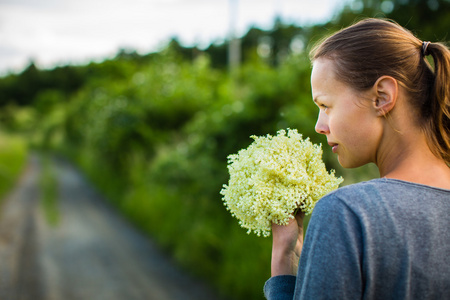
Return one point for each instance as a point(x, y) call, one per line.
point(317, 100)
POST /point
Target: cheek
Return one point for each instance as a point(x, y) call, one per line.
point(362, 138)
point(354, 128)
point(342, 127)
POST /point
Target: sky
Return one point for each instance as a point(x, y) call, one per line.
point(60, 32)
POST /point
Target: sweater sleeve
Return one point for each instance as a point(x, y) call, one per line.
point(331, 261)
point(280, 287)
point(330, 265)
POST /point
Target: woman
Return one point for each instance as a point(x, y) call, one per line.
point(380, 102)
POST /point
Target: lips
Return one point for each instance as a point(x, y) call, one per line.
point(333, 146)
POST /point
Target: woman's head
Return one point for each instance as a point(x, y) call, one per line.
point(372, 48)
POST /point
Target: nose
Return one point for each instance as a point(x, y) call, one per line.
point(322, 123)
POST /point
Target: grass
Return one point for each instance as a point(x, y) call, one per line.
point(13, 153)
point(48, 184)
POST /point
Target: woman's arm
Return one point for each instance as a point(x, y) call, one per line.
point(330, 264)
point(287, 246)
point(286, 249)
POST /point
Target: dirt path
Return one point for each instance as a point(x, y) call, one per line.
point(91, 254)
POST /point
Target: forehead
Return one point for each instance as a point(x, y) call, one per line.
point(325, 83)
point(323, 75)
point(323, 68)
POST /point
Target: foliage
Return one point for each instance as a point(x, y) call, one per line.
point(429, 19)
point(156, 143)
point(13, 152)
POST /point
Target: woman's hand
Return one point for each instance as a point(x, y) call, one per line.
point(287, 246)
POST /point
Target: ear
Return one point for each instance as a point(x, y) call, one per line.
point(386, 92)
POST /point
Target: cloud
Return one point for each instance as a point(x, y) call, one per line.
point(54, 31)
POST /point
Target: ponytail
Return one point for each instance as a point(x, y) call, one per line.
point(438, 129)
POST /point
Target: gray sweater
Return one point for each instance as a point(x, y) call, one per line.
point(381, 239)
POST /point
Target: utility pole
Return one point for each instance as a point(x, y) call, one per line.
point(234, 46)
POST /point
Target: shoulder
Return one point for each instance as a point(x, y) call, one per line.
point(378, 191)
point(370, 189)
point(355, 195)
point(382, 199)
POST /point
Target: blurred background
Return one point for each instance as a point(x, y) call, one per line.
point(149, 98)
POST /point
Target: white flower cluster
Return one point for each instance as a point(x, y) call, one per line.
point(273, 177)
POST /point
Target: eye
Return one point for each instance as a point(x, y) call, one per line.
point(323, 107)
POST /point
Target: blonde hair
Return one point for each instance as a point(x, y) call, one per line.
point(374, 47)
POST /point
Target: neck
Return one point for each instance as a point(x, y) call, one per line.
point(407, 157)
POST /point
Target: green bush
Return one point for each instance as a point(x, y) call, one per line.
point(156, 143)
point(13, 152)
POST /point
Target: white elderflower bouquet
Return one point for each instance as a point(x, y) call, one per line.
point(273, 177)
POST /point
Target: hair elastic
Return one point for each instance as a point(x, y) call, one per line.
point(425, 48)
